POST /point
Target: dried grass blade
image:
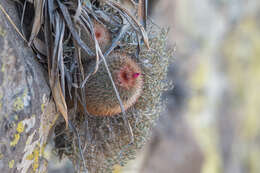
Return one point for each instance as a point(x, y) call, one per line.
point(37, 22)
point(48, 38)
point(56, 48)
point(87, 3)
point(12, 23)
point(107, 18)
point(60, 100)
point(53, 52)
point(70, 25)
point(50, 11)
point(89, 24)
point(142, 12)
point(78, 10)
point(22, 18)
point(58, 88)
point(40, 46)
point(125, 11)
point(61, 58)
point(116, 40)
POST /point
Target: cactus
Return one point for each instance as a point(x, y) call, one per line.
point(100, 96)
point(106, 138)
point(102, 35)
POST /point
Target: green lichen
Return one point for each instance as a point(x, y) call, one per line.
point(35, 157)
point(3, 68)
point(11, 164)
point(117, 169)
point(15, 140)
point(36, 154)
point(1, 98)
point(2, 32)
point(20, 127)
point(42, 149)
point(30, 156)
point(42, 107)
point(16, 117)
point(18, 104)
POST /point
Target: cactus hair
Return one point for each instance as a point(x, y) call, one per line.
point(100, 97)
point(102, 35)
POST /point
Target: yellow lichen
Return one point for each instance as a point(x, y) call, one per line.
point(3, 68)
point(52, 123)
point(30, 157)
point(1, 156)
point(42, 107)
point(36, 159)
point(2, 32)
point(25, 93)
point(18, 104)
point(11, 164)
point(42, 149)
point(1, 97)
point(15, 140)
point(28, 141)
point(16, 117)
point(20, 127)
point(117, 169)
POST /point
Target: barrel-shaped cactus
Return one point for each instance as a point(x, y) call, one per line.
point(101, 99)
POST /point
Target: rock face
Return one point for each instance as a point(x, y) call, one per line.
point(173, 148)
point(26, 114)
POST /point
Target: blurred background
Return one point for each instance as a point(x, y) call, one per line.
point(212, 122)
